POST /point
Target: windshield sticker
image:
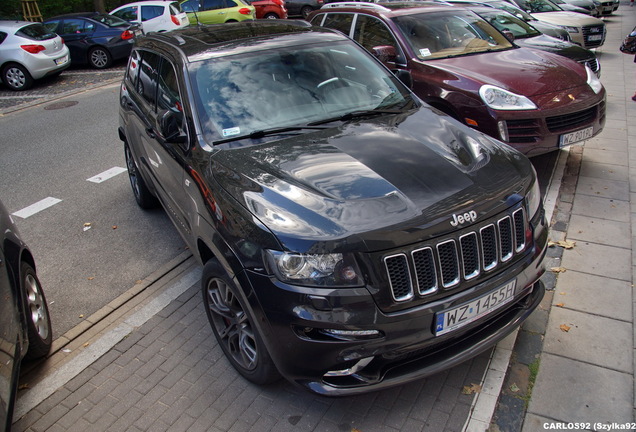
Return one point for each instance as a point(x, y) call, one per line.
point(425, 52)
point(231, 131)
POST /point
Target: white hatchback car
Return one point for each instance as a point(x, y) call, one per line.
point(29, 51)
point(153, 16)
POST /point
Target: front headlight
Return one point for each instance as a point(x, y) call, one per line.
point(326, 270)
point(570, 29)
point(593, 81)
point(498, 98)
point(533, 200)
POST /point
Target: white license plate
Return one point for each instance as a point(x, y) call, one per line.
point(61, 60)
point(460, 316)
point(595, 37)
point(574, 137)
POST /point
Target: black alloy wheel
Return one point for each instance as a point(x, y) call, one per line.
point(145, 199)
point(233, 326)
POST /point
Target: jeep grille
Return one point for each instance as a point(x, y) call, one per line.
point(446, 263)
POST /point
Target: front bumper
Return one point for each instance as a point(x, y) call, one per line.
point(292, 321)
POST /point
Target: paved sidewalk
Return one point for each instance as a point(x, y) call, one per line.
point(149, 360)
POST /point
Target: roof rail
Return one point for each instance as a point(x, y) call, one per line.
point(355, 4)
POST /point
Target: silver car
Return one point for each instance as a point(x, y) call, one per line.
point(29, 51)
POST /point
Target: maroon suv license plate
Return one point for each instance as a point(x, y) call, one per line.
point(453, 319)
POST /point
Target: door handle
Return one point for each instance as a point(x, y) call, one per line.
point(151, 133)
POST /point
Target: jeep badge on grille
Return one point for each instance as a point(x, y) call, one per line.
point(470, 216)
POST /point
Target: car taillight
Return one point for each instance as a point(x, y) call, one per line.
point(320, 2)
point(175, 20)
point(127, 35)
point(279, 2)
point(33, 49)
point(245, 11)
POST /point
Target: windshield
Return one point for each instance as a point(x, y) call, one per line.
point(503, 21)
point(449, 34)
point(110, 20)
point(276, 88)
point(519, 13)
point(538, 6)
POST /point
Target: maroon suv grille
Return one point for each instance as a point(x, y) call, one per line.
point(523, 131)
point(572, 120)
point(447, 263)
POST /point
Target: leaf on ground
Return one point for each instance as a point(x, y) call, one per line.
point(560, 304)
point(471, 389)
point(565, 328)
point(114, 227)
point(565, 244)
point(514, 388)
point(558, 269)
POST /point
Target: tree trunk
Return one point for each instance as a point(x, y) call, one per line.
point(99, 6)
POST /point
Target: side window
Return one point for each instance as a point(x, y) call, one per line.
point(147, 82)
point(167, 90)
point(3, 36)
point(340, 22)
point(213, 4)
point(73, 26)
point(370, 32)
point(132, 73)
point(190, 6)
point(128, 14)
point(150, 12)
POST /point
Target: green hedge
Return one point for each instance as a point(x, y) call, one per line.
point(12, 9)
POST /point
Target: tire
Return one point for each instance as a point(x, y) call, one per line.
point(271, 15)
point(233, 326)
point(99, 58)
point(38, 320)
point(145, 199)
point(305, 11)
point(16, 77)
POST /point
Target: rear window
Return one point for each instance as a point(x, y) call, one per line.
point(36, 32)
point(150, 12)
point(175, 8)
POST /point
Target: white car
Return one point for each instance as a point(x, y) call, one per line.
point(29, 51)
point(153, 16)
point(585, 30)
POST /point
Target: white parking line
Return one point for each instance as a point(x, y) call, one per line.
point(110, 173)
point(37, 207)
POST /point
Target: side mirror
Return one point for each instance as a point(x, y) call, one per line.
point(508, 34)
point(169, 124)
point(384, 53)
point(404, 76)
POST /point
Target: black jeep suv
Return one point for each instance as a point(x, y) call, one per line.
point(352, 237)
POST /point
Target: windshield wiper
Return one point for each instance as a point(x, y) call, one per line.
point(356, 114)
point(265, 132)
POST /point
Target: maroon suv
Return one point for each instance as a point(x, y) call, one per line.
point(535, 101)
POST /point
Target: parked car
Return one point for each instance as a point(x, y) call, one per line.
point(524, 35)
point(608, 6)
point(93, 38)
point(544, 27)
point(153, 15)
point(302, 8)
point(218, 11)
point(586, 7)
point(352, 237)
point(28, 52)
point(537, 102)
point(270, 9)
point(25, 325)
point(587, 31)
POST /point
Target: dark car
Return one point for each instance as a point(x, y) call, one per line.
point(94, 38)
point(352, 237)
point(302, 8)
point(535, 101)
point(523, 34)
point(25, 326)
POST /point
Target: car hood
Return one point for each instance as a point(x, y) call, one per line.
point(566, 18)
point(557, 46)
point(523, 71)
point(369, 185)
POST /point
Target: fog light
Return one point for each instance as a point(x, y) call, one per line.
point(351, 334)
point(503, 130)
